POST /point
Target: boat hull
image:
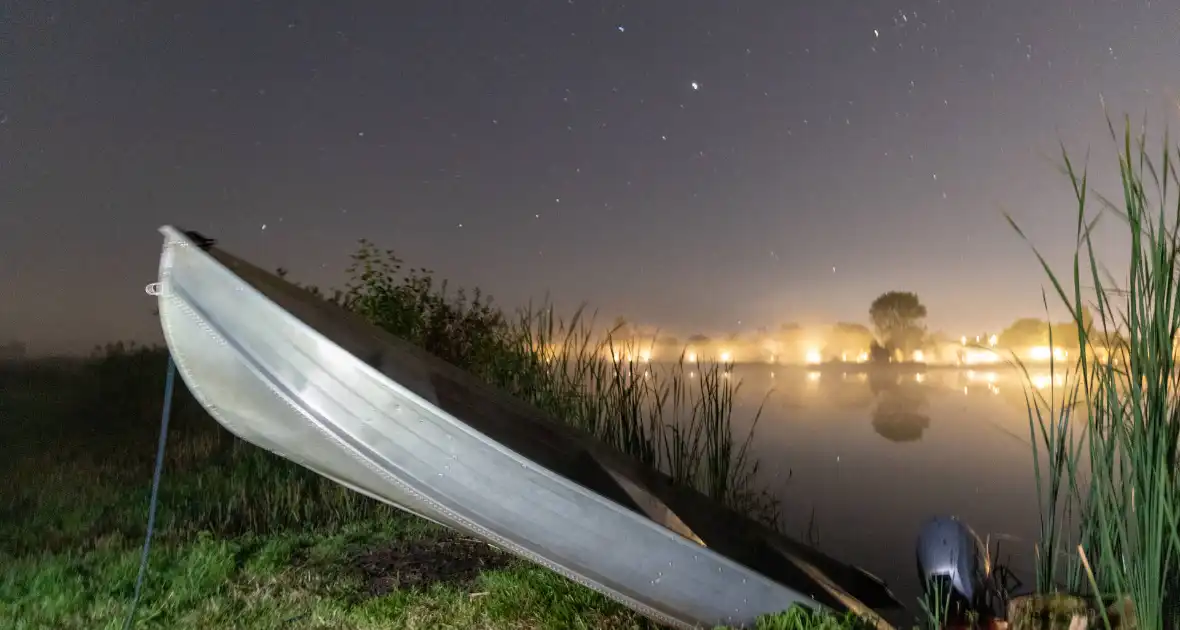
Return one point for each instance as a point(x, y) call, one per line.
point(302, 378)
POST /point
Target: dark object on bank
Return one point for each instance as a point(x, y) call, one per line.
point(952, 566)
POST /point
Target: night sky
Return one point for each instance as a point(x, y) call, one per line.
point(688, 164)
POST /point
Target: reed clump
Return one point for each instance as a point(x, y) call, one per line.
point(1108, 483)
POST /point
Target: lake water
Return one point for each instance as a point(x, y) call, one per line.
point(872, 457)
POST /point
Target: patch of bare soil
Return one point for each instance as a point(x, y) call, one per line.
point(421, 563)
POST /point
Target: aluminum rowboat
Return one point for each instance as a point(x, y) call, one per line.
point(304, 378)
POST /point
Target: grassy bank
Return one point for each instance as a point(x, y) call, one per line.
point(1105, 453)
point(246, 539)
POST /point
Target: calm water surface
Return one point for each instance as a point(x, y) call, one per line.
point(873, 456)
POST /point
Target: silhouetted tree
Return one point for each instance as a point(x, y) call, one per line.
point(898, 317)
point(847, 337)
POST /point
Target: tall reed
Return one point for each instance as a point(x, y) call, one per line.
point(1129, 544)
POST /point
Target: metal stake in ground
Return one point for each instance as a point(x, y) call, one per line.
point(169, 382)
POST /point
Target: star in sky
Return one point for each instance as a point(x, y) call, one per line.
point(888, 138)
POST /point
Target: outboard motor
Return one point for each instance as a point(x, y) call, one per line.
point(953, 559)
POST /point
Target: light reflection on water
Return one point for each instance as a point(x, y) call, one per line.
point(875, 454)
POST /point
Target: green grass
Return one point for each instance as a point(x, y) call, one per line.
point(800, 618)
point(328, 578)
point(1112, 440)
point(246, 539)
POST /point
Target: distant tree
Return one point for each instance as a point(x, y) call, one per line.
point(850, 336)
point(1031, 331)
point(699, 340)
point(1066, 334)
point(668, 342)
point(898, 317)
point(790, 334)
point(1026, 331)
point(845, 341)
point(937, 338)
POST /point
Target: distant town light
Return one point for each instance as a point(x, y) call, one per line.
point(1042, 353)
point(980, 357)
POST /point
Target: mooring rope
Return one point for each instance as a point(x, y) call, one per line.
point(169, 384)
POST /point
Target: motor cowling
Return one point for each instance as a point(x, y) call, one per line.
point(949, 552)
